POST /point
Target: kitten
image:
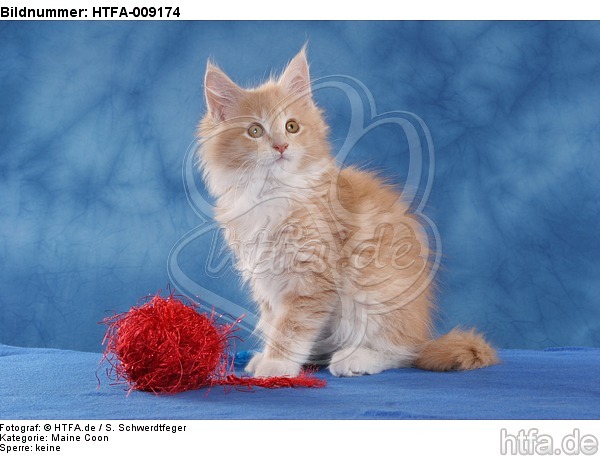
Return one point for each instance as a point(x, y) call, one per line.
point(338, 267)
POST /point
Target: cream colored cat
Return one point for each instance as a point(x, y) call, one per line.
point(338, 267)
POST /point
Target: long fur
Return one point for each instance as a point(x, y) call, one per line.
point(339, 269)
point(457, 350)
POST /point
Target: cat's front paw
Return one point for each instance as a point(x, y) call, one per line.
point(269, 367)
point(251, 366)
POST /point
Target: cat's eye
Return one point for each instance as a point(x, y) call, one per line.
point(255, 131)
point(292, 126)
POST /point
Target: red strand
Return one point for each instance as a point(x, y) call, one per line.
point(166, 346)
point(304, 380)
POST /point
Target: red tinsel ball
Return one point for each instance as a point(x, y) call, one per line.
point(165, 346)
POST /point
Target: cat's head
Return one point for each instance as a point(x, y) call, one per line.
point(275, 129)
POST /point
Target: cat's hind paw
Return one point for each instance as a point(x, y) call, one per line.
point(353, 361)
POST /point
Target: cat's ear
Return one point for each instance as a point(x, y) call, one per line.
point(296, 77)
point(222, 94)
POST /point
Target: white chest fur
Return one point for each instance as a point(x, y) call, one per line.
point(255, 214)
point(254, 228)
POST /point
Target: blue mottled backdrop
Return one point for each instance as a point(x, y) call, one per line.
point(96, 120)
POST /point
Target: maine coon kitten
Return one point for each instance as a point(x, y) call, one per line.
point(337, 265)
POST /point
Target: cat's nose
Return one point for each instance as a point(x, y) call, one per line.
point(280, 147)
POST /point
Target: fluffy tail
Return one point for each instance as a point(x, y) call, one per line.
point(457, 350)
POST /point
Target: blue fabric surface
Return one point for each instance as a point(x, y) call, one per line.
point(556, 384)
point(96, 119)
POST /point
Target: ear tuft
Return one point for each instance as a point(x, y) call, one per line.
point(222, 94)
point(296, 77)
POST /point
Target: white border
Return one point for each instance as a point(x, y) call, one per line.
point(347, 10)
point(306, 438)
